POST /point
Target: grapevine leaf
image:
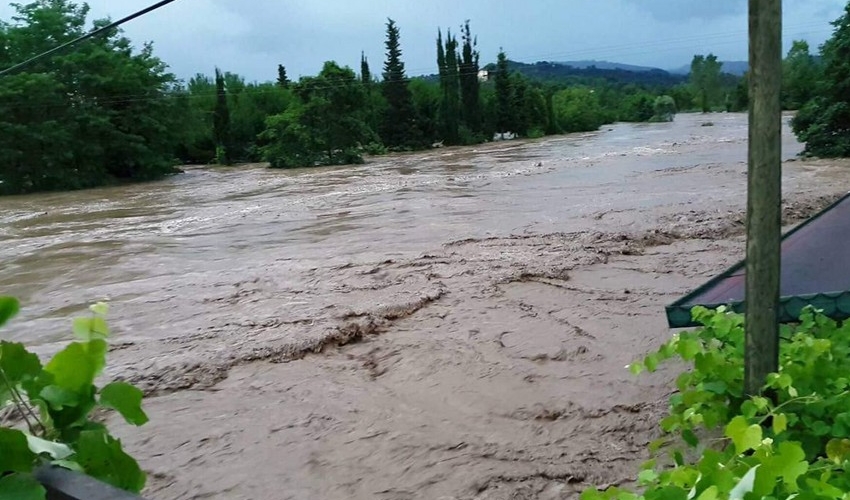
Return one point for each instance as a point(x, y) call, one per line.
point(102, 457)
point(710, 493)
point(651, 362)
point(17, 363)
point(126, 399)
point(90, 328)
point(9, 307)
point(58, 397)
point(69, 464)
point(15, 454)
point(746, 437)
point(56, 451)
point(21, 487)
point(745, 485)
point(838, 450)
point(100, 308)
point(780, 423)
point(790, 463)
point(76, 366)
point(647, 476)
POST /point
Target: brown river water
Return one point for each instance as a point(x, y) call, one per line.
point(448, 324)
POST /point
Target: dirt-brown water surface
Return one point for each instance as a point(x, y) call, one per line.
point(491, 297)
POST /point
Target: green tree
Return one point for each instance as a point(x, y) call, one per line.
point(637, 107)
point(427, 99)
point(824, 122)
point(469, 85)
point(83, 118)
point(503, 94)
point(519, 112)
point(365, 73)
point(282, 79)
point(398, 127)
point(577, 109)
point(450, 107)
point(801, 74)
point(221, 121)
point(325, 127)
point(705, 78)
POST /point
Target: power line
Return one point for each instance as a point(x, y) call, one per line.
point(91, 34)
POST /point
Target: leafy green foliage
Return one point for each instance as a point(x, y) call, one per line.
point(794, 444)
point(578, 109)
point(328, 125)
point(221, 121)
point(81, 118)
point(706, 81)
point(824, 122)
point(801, 74)
point(55, 402)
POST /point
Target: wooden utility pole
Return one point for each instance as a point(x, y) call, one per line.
point(764, 194)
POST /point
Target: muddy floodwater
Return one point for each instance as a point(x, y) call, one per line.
point(447, 324)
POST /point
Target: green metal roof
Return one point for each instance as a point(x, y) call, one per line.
point(815, 271)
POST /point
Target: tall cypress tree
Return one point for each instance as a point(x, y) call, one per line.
point(398, 128)
point(503, 94)
point(469, 85)
point(450, 102)
point(365, 74)
point(221, 121)
point(282, 80)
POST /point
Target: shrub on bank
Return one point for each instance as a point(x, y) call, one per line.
point(720, 443)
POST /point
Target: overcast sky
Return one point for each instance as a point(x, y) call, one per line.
point(251, 37)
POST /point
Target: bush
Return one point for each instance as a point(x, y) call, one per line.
point(55, 403)
point(375, 149)
point(536, 133)
point(664, 109)
point(721, 443)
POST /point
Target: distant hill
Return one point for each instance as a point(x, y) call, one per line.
point(737, 68)
point(607, 65)
point(551, 71)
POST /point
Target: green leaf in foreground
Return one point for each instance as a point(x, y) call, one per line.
point(9, 307)
point(15, 454)
point(17, 363)
point(56, 451)
point(746, 437)
point(76, 366)
point(126, 399)
point(90, 328)
point(102, 457)
point(21, 487)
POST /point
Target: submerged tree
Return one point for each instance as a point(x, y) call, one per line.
point(325, 126)
point(398, 128)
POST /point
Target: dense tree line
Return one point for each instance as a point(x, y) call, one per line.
point(78, 119)
point(105, 113)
